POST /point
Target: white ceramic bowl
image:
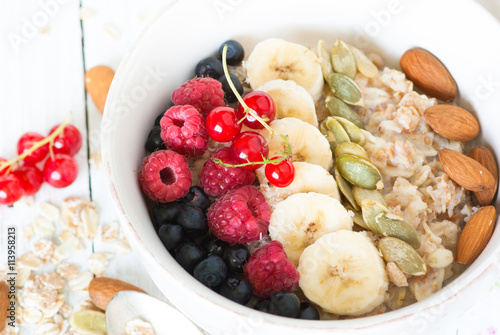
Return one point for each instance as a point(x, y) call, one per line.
point(460, 32)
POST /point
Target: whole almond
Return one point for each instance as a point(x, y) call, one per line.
point(97, 82)
point(428, 74)
point(484, 156)
point(452, 122)
point(465, 171)
point(4, 303)
point(475, 235)
point(102, 289)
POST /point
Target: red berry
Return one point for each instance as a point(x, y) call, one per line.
point(203, 93)
point(10, 189)
point(262, 104)
point(3, 160)
point(240, 216)
point(26, 142)
point(165, 176)
point(222, 124)
point(30, 178)
point(183, 130)
point(281, 174)
point(269, 271)
point(60, 171)
point(216, 179)
point(68, 142)
point(249, 146)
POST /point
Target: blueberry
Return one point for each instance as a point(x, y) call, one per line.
point(235, 52)
point(235, 257)
point(166, 213)
point(211, 272)
point(188, 255)
point(197, 198)
point(308, 311)
point(154, 141)
point(281, 303)
point(237, 289)
point(265, 306)
point(193, 220)
point(213, 246)
point(209, 67)
point(171, 235)
point(228, 92)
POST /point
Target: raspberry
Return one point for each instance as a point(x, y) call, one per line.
point(202, 93)
point(183, 130)
point(269, 271)
point(165, 176)
point(240, 216)
point(217, 180)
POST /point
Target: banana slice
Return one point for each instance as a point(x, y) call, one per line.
point(308, 144)
point(308, 178)
point(343, 273)
point(292, 100)
point(303, 218)
point(275, 58)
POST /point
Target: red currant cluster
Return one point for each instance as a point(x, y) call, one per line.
point(249, 149)
point(21, 175)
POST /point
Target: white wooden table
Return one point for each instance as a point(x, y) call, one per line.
point(45, 47)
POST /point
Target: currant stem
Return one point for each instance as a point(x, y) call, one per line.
point(39, 144)
point(250, 111)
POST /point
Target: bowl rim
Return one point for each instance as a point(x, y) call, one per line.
point(466, 279)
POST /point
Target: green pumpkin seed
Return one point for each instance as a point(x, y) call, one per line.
point(395, 226)
point(355, 134)
point(343, 60)
point(358, 217)
point(358, 171)
point(363, 63)
point(370, 209)
point(345, 89)
point(333, 132)
point(406, 258)
point(337, 107)
point(351, 149)
point(361, 194)
point(324, 59)
point(345, 188)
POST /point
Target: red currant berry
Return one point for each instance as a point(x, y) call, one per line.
point(262, 104)
point(10, 189)
point(26, 142)
point(3, 160)
point(68, 142)
point(222, 124)
point(249, 146)
point(281, 174)
point(30, 177)
point(60, 171)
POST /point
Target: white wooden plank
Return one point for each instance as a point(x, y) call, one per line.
point(110, 28)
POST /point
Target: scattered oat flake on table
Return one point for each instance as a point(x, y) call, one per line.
point(28, 232)
point(98, 262)
point(29, 261)
point(122, 246)
point(43, 227)
point(44, 249)
point(81, 281)
point(96, 160)
point(111, 31)
point(67, 270)
point(110, 232)
point(49, 211)
point(86, 13)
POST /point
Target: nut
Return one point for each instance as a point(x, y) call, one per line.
point(484, 156)
point(465, 171)
point(452, 122)
point(102, 289)
point(476, 234)
point(429, 74)
point(4, 303)
point(97, 82)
